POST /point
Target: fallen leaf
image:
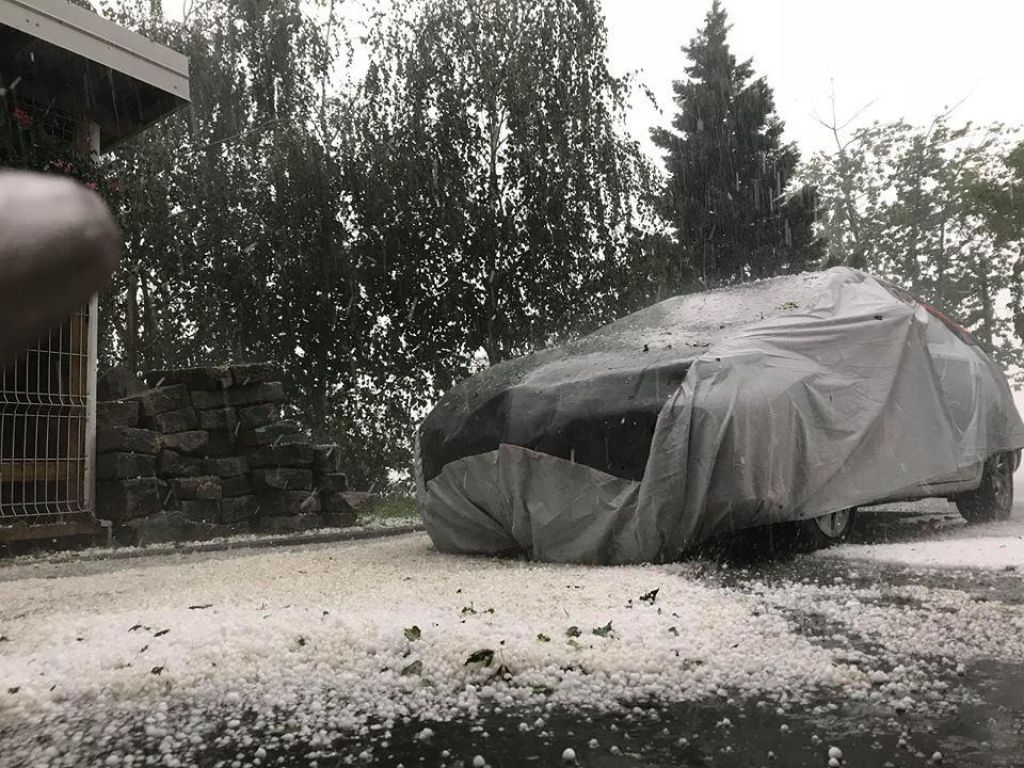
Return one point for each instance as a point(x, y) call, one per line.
point(650, 597)
point(484, 656)
point(412, 633)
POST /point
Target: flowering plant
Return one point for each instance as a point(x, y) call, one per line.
point(28, 142)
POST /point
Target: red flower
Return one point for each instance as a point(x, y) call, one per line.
point(91, 185)
point(24, 118)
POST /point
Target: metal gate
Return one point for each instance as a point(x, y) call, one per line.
point(47, 432)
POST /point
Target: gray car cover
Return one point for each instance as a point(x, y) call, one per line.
point(779, 400)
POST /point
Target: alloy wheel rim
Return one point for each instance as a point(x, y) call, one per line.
point(833, 525)
point(1001, 482)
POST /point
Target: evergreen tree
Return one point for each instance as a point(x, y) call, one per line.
point(729, 173)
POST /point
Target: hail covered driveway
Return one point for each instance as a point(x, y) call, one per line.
point(906, 648)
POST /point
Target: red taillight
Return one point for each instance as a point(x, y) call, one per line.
point(945, 319)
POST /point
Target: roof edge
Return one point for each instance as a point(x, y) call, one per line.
point(89, 35)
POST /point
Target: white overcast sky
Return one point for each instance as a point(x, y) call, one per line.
point(910, 57)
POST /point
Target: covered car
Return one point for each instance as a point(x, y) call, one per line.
point(796, 398)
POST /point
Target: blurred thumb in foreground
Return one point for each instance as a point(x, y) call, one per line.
point(58, 246)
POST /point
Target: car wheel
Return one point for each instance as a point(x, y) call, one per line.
point(826, 530)
point(994, 498)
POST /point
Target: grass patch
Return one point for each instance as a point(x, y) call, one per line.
point(395, 508)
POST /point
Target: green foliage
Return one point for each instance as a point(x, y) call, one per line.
point(932, 209)
point(31, 139)
point(395, 508)
point(728, 193)
point(472, 192)
point(508, 215)
point(1000, 201)
point(240, 240)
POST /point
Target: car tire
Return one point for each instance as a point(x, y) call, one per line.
point(993, 500)
point(826, 530)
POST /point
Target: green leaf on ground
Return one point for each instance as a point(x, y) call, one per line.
point(650, 597)
point(484, 656)
point(412, 633)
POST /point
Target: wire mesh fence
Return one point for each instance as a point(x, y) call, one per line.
point(58, 123)
point(43, 425)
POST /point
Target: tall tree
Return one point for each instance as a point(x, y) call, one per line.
point(240, 239)
point(728, 191)
point(931, 208)
point(474, 191)
point(506, 200)
point(1000, 198)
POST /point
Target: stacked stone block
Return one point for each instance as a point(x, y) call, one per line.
point(126, 482)
point(331, 484)
point(205, 452)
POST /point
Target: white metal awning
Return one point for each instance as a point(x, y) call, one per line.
point(57, 53)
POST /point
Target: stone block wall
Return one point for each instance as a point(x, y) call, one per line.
point(204, 453)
